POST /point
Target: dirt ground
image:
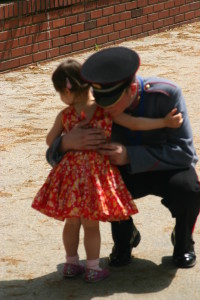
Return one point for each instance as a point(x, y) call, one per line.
point(31, 252)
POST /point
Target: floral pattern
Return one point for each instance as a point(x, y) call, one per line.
point(85, 184)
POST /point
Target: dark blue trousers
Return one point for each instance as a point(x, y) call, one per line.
point(180, 193)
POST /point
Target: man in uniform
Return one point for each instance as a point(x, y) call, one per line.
point(157, 162)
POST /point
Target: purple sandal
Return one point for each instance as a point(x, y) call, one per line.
point(71, 270)
point(92, 275)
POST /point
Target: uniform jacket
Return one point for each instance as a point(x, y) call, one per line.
point(154, 150)
point(160, 149)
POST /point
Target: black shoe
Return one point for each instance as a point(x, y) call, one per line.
point(186, 260)
point(119, 258)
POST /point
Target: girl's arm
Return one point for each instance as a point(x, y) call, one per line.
point(56, 130)
point(171, 120)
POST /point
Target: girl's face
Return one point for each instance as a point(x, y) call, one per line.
point(67, 97)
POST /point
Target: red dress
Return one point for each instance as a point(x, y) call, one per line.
point(84, 183)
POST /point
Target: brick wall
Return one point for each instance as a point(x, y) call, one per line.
point(37, 30)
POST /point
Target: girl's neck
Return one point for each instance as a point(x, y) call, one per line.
point(84, 102)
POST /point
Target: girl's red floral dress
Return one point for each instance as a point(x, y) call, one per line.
point(85, 184)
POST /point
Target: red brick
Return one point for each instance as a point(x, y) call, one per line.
point(31, 48)
point(5, 55)
point(179, 18)
point(84, 35)
point(45, 45)
point(108, 11)
point(131, 5)
point(77, 9)
point(163, 14)
point(168, 21)
point(113, 36)
point(91, 6)
point(10, 64)
point(25, 21)
point(39, 37)
point(26, 40)
point(120, 7)
point(174, 11)
point(65, 49)
point(120, 25)
point(71, 20)
point(179, 2)
point(195, 6)
point(147, 27)
point(90, 25)
point(158, 7)
point(153, 1)
point(96, 14)
point(153, 17)
point(65, 31)
point(96, 32)
point(125, 33)
point(125, 15)
point(102, 40)
point(136, 30)
point(148, 10)
point(84, 17)
point(158, 24)
point(52, 53)
point(141, 20)
point(185, 8)
point(197, 14)
point(58, 42)
point(77, 28)
point(78, 46)
point(6, 45)
point(131, 23)
point(107, 29)
point(25, 60)
point(2, 17)
point(44, 26)
point(102, 21)
point(142, 3)
point(189, 15)
point(91, 42)
point(170, 4)
point(135, 13)
point(114, 19)
point(71, 38)
point(58, 23)
point(39, 56)
point(32, 29)
point(11, 24)
point(5, 35)
point(17, 52)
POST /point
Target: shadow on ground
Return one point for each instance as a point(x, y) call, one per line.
point(141, 277)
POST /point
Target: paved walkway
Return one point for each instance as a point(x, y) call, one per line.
point(31, 252)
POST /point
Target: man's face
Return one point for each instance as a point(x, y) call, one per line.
point(125, 101)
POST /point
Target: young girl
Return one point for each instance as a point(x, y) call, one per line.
point(84, 188)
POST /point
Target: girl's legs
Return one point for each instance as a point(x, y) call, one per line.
point(71, 239)
point(92, 242)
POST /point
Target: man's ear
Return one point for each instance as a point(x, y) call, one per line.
point(133, 88)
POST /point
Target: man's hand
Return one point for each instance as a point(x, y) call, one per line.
point(82, 138)
point(117, 153)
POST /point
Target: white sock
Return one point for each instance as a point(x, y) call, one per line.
point(72, 260)
point(93, 264)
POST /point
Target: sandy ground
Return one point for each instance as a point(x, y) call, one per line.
point(31, 252)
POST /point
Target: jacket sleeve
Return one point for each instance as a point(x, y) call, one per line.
point(176, 150)
point(53, 156)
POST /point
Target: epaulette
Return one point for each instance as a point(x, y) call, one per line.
point(165, 87)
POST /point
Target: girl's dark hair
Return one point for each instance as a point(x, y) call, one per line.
point(67, 74)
